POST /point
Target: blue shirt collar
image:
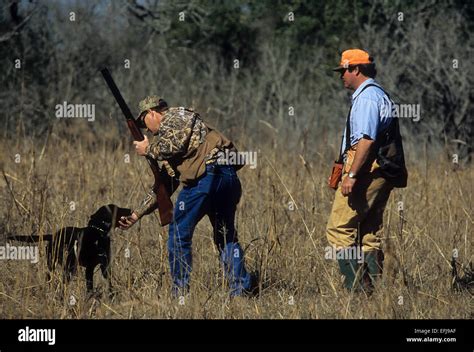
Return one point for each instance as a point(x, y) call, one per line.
point(359, 89)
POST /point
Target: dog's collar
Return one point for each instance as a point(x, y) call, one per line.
point(98, 228)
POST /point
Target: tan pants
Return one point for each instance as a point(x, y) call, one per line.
point(358, 218)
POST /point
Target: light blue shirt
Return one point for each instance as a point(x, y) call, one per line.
point(371, 113)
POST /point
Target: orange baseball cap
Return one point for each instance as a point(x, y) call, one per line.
point(353, 57)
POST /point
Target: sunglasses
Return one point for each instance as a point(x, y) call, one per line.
point(344, 69)
point(140, 121)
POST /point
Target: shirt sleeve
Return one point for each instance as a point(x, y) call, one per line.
point(148, 204)
point(365, 119)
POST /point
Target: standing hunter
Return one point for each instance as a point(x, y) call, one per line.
point(191, 150)
point(370, 165)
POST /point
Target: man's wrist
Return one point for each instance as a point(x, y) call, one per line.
point(352, 175)
point(139, 213)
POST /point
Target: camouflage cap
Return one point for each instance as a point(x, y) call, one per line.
point(148, 103)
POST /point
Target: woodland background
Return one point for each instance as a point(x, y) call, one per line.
point(282, 101)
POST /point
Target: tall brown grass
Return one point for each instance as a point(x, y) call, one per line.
point(284, 241)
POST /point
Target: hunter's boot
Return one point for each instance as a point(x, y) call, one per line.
point(373, 268)
point(350, 268)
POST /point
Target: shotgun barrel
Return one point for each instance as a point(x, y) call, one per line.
point(164, 185)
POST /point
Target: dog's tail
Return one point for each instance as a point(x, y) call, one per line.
point(31, 238)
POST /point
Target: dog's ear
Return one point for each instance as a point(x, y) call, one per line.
point(99, 215)
point(109, 214)
point(104, 215)
point(121, 212)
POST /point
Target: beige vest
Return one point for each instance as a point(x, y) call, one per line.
point(193, 166)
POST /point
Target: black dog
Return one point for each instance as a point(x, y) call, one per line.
point(87, 246)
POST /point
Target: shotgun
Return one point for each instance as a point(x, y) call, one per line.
point(164, 185)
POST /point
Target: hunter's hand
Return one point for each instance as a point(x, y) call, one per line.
point(140, 147)
point(126, 222)
point(347, 185)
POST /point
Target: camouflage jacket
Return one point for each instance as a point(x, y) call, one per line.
point(181, 133)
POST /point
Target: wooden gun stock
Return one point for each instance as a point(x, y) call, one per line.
point(164, 185)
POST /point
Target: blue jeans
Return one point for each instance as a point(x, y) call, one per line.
point(216, 194)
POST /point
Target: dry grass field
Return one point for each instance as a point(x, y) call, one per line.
point(265, 81)
point(281, 222)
